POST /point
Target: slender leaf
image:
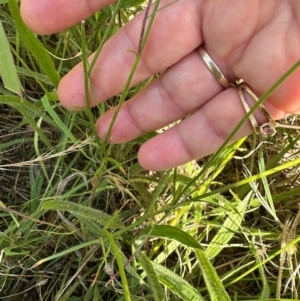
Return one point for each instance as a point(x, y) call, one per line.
point(8, 70)
point(161, 185)
point(171, 232)
point(155, 286)
point(5, 1)
point(265, 293)
point(57, 120)
point(267, 201)
point(286, 195)
point(115, 250)
point(176, 284)
point(33, 44)
point(273, 299)
point(65, 252)
point(131, 3)
point(34, 75)
point(228, 230)
point(16, 102)
point(24, 108)
point(263, 262)
point(109, 222)
point(213, 283)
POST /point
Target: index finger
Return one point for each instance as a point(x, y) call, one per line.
point(167, 43)
point(50, 16)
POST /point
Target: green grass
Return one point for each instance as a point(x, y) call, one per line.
point(80, 220)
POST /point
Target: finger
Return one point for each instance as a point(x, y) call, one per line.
point(49, 16)
point(199, 135)
point(165, 46)
point(254, 52)
point(179, 91)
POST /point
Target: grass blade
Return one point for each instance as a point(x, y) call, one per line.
point(268, 259)
point(228, 230)
point(56, 119)
point(266, 201)
point(109, 222)
point(214, 285)
point(33, 44)
point(65, 252)
point(120, 266)
point(171, 232)
point(8, 69)
point(176, 284)
point(155, 286)
point(25, 108)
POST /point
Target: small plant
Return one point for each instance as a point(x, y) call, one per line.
point(80, 219)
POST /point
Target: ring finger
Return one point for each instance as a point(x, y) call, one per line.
point(179, 91)
point(187, 87)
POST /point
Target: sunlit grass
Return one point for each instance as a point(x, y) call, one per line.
point(81, 220)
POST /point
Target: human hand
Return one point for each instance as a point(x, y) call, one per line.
point(256, 40)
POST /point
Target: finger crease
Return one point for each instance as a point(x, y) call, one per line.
point(134, 120)
point(218, 131)
point(184, 145)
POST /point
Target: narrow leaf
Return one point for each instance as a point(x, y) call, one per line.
point(65, 252)
point(109, 222)
point(176, 284)
point(6, 1)
point(25, 108)
point(8, 69)
point(171, 232)
point(16, 102)
point(155, 286)
point(213, 283)
point(56, 119)
point(273, 299)
point(120, 264)
point(33, 44)
point(228, 230)
point(131, 3)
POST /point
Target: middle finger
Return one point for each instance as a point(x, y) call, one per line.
point(179, 91)
point(167, 43)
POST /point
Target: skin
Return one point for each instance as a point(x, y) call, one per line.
point(254, 40)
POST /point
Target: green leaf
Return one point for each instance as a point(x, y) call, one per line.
point(65, 252)
point(8, 70)
point(5, 1)
point(74, 298)
point(131, 3)
point(176, 284)
point(56, 119)
point(38, 77)
point(14, 253)
point(283, 196)
point(109, 222)
point(120, 264)
point(228, 230)
point(33, 44)
point(25, 108)
point(265, 293)
point(273, 299)
point(155, 286)
point(171, 232)
point(213, 283)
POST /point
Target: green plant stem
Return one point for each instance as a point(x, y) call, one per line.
point(87, 81)
point(120, 266)
point(105, 36)
point(267, 94)
point(133, 69)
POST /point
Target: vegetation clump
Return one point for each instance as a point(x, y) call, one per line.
point(81, 220)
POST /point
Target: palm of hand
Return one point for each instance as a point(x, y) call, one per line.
point(254, 40)
point(258, 42)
